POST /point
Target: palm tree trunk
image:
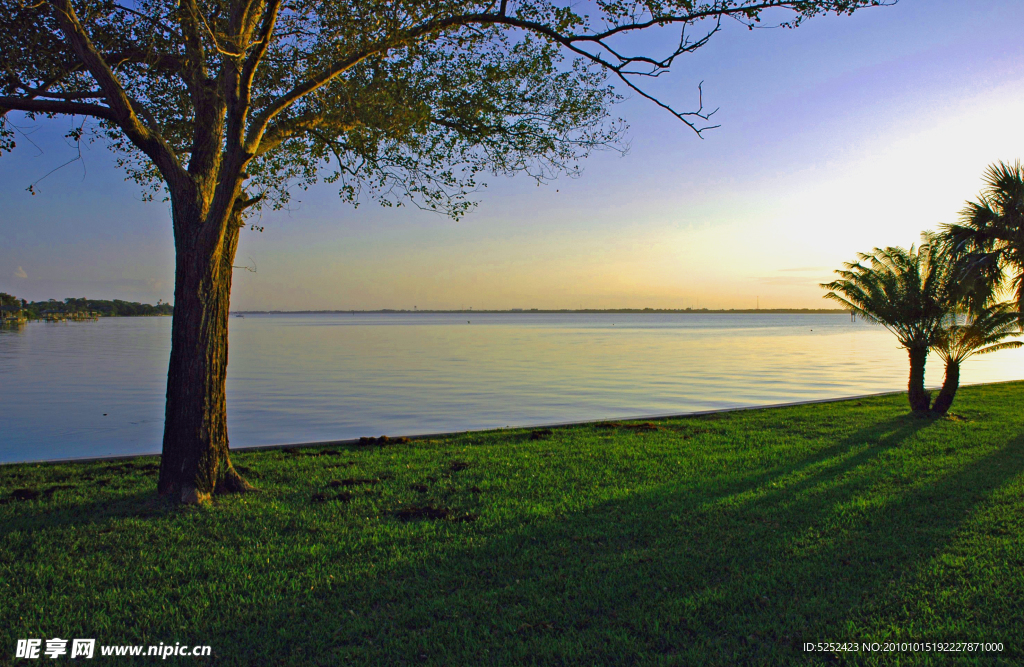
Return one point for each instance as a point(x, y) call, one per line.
point(949, 386)
point(916, 394)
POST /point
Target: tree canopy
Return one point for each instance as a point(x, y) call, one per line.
point(909, 292)
point(989, 238)
point(398, 100)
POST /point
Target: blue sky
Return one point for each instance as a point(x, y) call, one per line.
point(842, 135)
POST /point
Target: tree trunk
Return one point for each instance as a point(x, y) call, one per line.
point(919, 398)
point(949, 386)
point(195, 461)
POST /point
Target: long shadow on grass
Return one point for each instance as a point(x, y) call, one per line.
point(669, 576)
point(831, 461)
point(40, 503)
point(726, 572)
point(51, 514)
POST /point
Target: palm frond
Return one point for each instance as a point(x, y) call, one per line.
point(989, 237)
point(1008, 345)
point(965, 333)
point(905, 290)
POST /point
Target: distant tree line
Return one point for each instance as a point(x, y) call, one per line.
point(100, 307)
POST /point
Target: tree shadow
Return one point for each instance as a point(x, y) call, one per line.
point(118, 490)
point(731, 570)
point(741, 575)
point(853, 450)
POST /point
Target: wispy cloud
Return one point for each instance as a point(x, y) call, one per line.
point(789, 280)
point(20, 273)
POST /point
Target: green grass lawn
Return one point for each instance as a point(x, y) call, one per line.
point(722, 539)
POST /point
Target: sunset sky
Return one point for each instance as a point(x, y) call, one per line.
point(845, 134)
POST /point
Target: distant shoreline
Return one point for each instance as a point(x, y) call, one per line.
point(610, 311)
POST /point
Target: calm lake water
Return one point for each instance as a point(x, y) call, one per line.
point(97, 388)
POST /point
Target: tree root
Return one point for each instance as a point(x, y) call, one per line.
point(190, 495)
point(232, 482)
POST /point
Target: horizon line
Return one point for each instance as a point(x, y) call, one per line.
point(546, 310)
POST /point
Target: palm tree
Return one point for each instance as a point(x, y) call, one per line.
point(965, 334)
point(907, 292)
point(990, 235)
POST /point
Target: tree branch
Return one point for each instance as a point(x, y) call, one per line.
point(123, 108)
point(243, 203)
point(281, 132)
point(81, 95)
point(571, 42)
point(262, 44)
point(57, 106)
point(155, 21)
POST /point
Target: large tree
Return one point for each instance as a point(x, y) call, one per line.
point(223, 105)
